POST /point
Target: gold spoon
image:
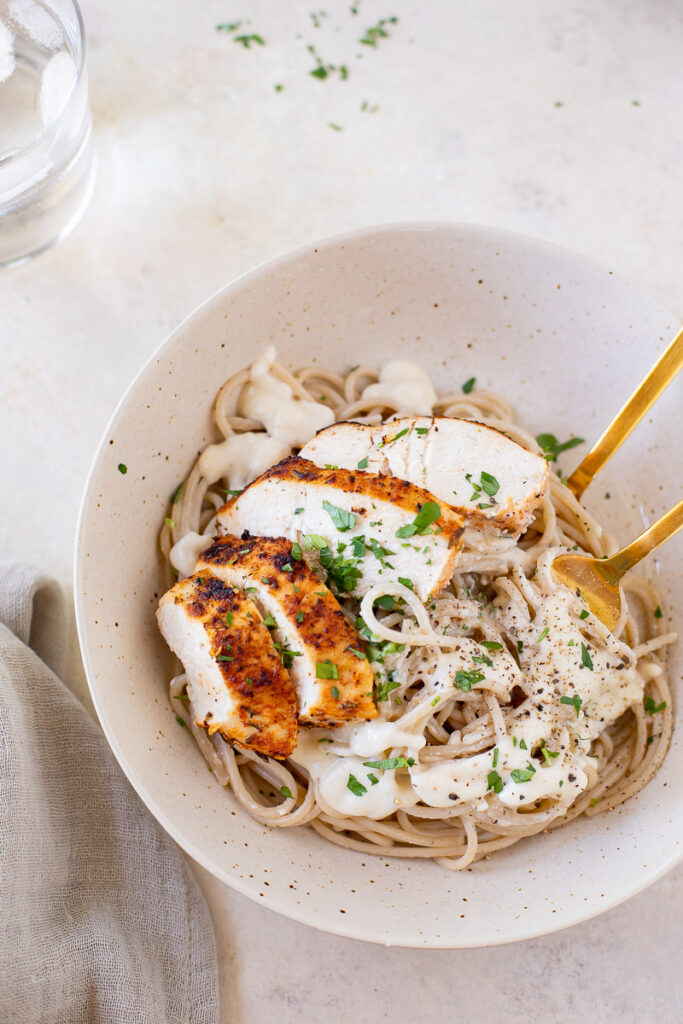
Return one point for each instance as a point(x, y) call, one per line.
point(645, 395)
point(598, 579)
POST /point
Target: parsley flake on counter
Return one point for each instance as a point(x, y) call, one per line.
point(123, 468)
point(298, 511)
point(377, 32)
point(658, 612)
point(246, 41)
point(468, 385)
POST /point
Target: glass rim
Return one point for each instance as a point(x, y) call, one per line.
point(80, 67)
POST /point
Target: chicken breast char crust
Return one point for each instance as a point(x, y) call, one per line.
point(237, 683)
point(323, 653)
point(484, 475)
point(297, 499)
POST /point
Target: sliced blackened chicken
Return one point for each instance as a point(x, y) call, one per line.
point(368, 528)
point(237, 683)
point(322, 651)
point(481, 473)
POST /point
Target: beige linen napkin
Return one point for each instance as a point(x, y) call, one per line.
point(101, 918)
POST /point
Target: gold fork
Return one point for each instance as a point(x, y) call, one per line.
point(598, 579)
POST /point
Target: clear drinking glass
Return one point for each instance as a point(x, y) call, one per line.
point(46, 162)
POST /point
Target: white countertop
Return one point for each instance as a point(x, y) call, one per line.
point(554, 119)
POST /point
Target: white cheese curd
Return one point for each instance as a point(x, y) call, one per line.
point(405, 383)
point(266, 398)
point(289, 422)
point(185, 553)
point(241, 458)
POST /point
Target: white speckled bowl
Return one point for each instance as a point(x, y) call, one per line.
point(567, 343)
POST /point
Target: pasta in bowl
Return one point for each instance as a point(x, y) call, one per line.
point(495, 705)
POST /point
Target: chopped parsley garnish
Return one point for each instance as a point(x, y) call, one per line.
point(169, 523)
point(246, 41)
point(552, 448)
point(385, 688)
point(182, 696)
point(434, 702)
point(299, 616)
point(326, 670)
point(465, 680)
point(574, 701)
point(175, 497)
point(228, 26)
point(548, 755)
point(335, 128)
point(586, 660)
point(297, 553)
point(123, 469)
point(372, 779)
point(386, 601)
point(363, 464)
point(652, 708)
point(422, 522)
point(522, 774)
point(358, 547)
point(522, 744)
point(286, 791)
point(269, 621)
point(377, 32)
point(494, 782)
point(421, 431)
point(406, 582)
point(298, 511)
point(390, 763)
point(356, 787)
point(658, 612)
point(390, 440)
point(543, 634)
point(335, 691)
point(180, 721)
point(481, 659)
point(584, 614)
point(314, 542)
point(489, 484)
point(224, 657)
point(342, 519)
point(287, 567)
point(468, 385)
point(325, 739)
point(520, 646)
point(342, 572)
point(228, 619)
point(491, 645)
point(495, 757)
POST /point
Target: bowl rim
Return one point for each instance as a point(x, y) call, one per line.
point(304, 914)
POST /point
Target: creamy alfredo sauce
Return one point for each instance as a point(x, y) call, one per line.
point(553, 665)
